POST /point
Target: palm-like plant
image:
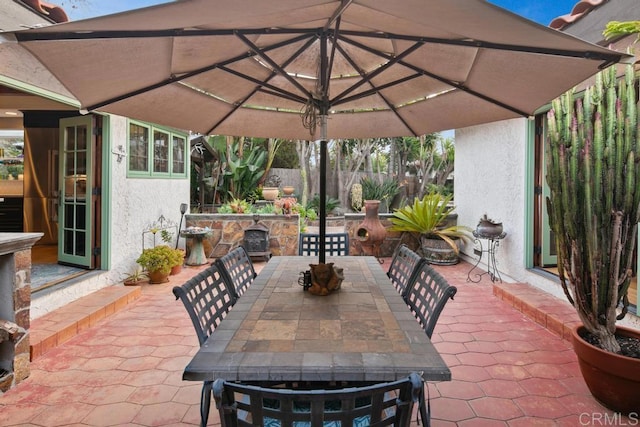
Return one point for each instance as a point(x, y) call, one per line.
point(428, 216)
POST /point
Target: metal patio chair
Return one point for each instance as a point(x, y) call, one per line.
point(382, 404)
point(237, 268)
point(335, 244)
point(404, 266)
point(427, 295)
point(207, 297)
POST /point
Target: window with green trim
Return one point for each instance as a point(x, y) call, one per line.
point(156, 152)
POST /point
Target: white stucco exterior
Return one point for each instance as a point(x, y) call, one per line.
point(491, 177)
point(131, 205)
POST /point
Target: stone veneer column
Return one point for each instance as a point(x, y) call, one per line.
point(15, 303)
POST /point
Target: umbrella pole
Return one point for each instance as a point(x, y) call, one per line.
point(323, 188)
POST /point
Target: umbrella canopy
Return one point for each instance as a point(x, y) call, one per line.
point(315, 69)
point(378, 68)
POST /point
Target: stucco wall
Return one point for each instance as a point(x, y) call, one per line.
point(490, 179)
point(134, 204)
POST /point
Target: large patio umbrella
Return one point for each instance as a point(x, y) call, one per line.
point(315, 69)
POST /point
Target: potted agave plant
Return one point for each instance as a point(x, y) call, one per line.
point(592, 171)
point(428, 216)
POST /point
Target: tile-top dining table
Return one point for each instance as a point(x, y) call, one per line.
point(277, 331)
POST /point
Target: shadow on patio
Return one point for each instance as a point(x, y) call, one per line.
point(127, 369)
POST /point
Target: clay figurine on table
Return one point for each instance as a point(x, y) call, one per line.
point(325, 278)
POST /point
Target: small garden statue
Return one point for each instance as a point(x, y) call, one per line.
point(325, 278)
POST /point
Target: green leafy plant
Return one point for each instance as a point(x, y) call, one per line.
point(428, 217)
point(166, 235)
point(136, 276)
point(159, 258)
point(384, 191)
point(242, 174)
point(330, 205)
point(239, 206)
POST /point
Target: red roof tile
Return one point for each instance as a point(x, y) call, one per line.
point(581, 8)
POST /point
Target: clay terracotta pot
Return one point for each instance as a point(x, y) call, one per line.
point(370, 231)
point(288, 190)
point(613, 379)
point(158, 277)
point(269, 193)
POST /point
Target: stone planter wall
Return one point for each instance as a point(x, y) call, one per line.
point(227, 232)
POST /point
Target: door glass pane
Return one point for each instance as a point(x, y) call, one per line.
point(69, 218)
point(80, 249)
point(70, 143)
point(138, 148)
point(178, 155)
point(68, 242)
point(70, 163)
point(160, 152)
point(80, 216)
point(81, 138)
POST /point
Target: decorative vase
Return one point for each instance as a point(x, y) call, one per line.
point(269, 193)
point(613, 379)
point(156, 277)
point(288, 190)
point(488, 228)
point(371, 232)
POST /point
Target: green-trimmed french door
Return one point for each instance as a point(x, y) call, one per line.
point(547, 240)
point(75, 212)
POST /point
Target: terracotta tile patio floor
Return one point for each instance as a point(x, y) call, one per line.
point(509, 363)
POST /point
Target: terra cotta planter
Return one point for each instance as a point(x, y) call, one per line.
point(269, 193)
point(613, 379)
point(158, 277)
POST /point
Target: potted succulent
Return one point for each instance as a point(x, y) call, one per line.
point(157, 262)
point(135, 278)
point(179, 261)
point(592, 171)
point(428, 216)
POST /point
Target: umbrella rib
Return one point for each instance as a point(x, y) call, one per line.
point(466, 89)
point(376, 89)
point(176, 79)
point(287, 95)
point(261, 53)
point(33, 35)
point(367, 78)
point(391, 61)
point(337, 14)
point(439, 78)
point(587, 54)
point(276, 90)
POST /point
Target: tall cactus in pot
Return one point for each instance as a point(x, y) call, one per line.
point(592, 161)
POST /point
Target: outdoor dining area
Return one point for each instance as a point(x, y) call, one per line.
point(261, 337)
point(359, 337)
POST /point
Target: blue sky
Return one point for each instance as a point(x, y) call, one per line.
point(541, 11)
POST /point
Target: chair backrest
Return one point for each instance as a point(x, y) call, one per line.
point(207, 298)
point(403, 268)
point(238, 269)
point(427, 296)
point(335, 244)
point(382, 404)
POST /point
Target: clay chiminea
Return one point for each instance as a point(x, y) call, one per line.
point(371, 232)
